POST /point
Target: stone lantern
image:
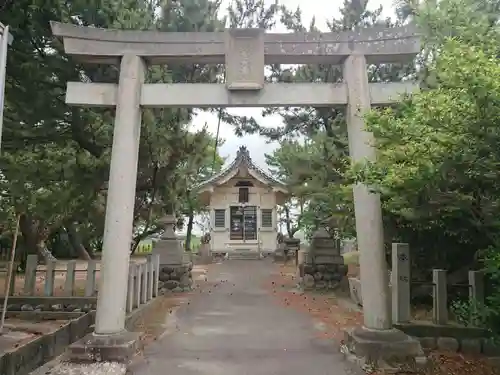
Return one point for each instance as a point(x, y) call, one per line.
point(323, 266)
point(175, 264)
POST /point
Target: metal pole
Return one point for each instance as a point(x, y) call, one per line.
point(10, 273)
point(6, 40)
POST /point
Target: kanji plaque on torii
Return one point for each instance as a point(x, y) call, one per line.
point(245, 59)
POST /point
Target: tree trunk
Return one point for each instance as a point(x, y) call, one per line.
point(45, 252)
point(34, 239)
point(141, 236)
point(29, 235)
point(135, 243)
point(189, 231)
point(76, 241)
point(289, 228)
point(87, 245)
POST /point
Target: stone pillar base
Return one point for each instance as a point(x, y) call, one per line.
point(119, 348)
point(322, 276)
point(390, 350)
point(204, 253)
point(279, 257)
point(176, 277)
point(205, 259)
point(280, 254)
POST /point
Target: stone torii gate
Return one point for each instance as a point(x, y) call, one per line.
point(245, 53)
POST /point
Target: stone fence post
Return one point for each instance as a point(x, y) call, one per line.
point(400, 280)
point(476, 285)
point(49, 272)
point(440, 297)
point(142, 285)
point(476, 293)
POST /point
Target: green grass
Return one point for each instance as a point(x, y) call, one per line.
point(195, 243)
point(351, 258)
point(146, 246)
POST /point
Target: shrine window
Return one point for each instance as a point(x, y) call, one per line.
point(244, 194)
point(219, 218)
point(243, 223)
point(266, 218)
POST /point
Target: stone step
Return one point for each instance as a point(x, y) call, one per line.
point(244, 255)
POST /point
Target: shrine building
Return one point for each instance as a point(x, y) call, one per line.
point(242, 200)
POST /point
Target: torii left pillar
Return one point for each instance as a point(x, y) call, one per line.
point(111, 341)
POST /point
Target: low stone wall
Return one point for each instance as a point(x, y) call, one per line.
point(51, 307)
point(176, 278)
point(43, 349)
point(39, 351)
point(468, 340)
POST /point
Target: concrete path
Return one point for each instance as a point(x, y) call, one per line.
point(236, 328)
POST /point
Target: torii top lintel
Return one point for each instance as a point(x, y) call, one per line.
point(378, 44)
point(242, 160)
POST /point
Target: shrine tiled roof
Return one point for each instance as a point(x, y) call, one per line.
point(242, 159)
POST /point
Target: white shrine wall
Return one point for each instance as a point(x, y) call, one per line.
point(226, 196)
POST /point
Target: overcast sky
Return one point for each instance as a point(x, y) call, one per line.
point(257, 145)
point(323, 10)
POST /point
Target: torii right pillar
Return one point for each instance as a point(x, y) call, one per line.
point(377, 343)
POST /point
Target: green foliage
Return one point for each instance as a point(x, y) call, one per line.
point(313, 156)
point(55, 158)
point(319, 193)
point(437, 159)
point(491, 258)
point(472, 314)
